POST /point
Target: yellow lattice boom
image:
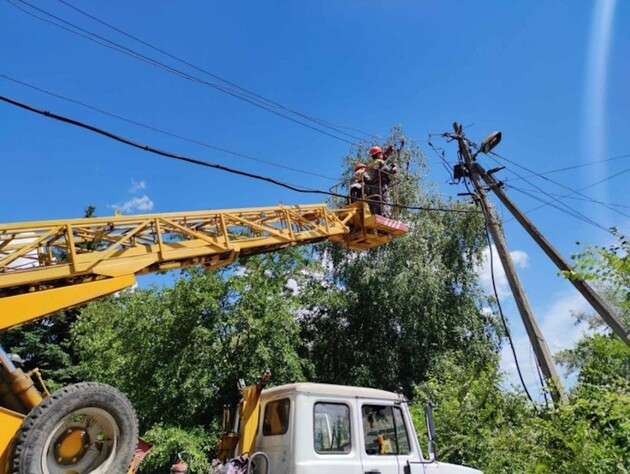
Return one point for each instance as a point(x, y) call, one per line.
point(52, 265)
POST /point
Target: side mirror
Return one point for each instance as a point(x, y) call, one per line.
point(428, 413)
point(490, 142)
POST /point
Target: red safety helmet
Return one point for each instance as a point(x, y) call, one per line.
point(360, 166)
point(375, 150)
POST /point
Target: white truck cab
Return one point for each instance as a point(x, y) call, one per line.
point(331, 429)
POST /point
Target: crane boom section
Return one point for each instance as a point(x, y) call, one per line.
point(52, 265)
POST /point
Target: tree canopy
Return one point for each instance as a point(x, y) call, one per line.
point(482, 425)
point(390, 311)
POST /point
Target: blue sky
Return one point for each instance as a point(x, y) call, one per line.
point(552, 76)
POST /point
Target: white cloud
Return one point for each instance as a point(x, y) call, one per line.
point(560, 332)
point(29, 259)
point(142, 203)
point(240, 270)
point(558, 324)
point(292, 285)
point(520, 259)
point(137, 186)
point(130, 289)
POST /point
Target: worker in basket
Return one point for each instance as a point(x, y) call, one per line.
point(358, 183)
point(378, 177)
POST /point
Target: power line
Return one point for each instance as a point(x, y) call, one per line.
point(136, 55)
point(496, 292)
point(164, 132)
point(567, 168)
point(568, 196)
point(196, 161)
point(572, 191)
point(564, 196)
point(232, 84)
point(440, 153)
point(569, 212)
point(102, 41)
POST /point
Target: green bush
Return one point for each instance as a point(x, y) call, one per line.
point(196, 444)
point(481, 425)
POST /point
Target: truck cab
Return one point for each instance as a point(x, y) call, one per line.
point(318, 428)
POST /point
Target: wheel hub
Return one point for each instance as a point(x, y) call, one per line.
point(84, 441)
point(71, 446)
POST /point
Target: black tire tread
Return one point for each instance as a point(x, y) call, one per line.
point(31, 423)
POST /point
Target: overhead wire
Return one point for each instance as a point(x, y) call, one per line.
point(568, 168)
point(215, 76)
point(164, 132)
point(508, 184)
point(98, 39)
point(123, 49)
point(572, 191)
point(206, 163)
point(564, 196)
point(568, 209)
point(440, 153)
point(571, 213)
point(506, 328)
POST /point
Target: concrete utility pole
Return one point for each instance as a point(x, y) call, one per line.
point(584, 288)
point(541, 350)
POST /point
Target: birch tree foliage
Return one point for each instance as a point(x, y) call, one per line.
point(392, 310)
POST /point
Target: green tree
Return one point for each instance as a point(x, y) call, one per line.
point(391, 311)
point(602, 357)
point(482, 425)
point(44, 344)
point(485, 426)
point(178, 352)
point(609, 266)
point(478, 422)
point(194, 443)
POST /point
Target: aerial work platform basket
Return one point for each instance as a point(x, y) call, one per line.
point(367, 230)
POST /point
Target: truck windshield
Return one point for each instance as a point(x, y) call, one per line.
point(384, 430)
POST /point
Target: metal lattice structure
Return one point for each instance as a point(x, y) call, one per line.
point(51, 265)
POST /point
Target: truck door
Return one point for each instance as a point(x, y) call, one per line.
point(385, 442)
point(276, 434)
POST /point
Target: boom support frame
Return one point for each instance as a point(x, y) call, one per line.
point(49, 266)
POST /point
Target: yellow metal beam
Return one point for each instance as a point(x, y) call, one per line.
point(249, 416)
point(44, 254)
point(22, 308)
point(52, 265)
point(10, 422)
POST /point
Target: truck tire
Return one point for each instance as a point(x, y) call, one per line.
point(86, 428)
